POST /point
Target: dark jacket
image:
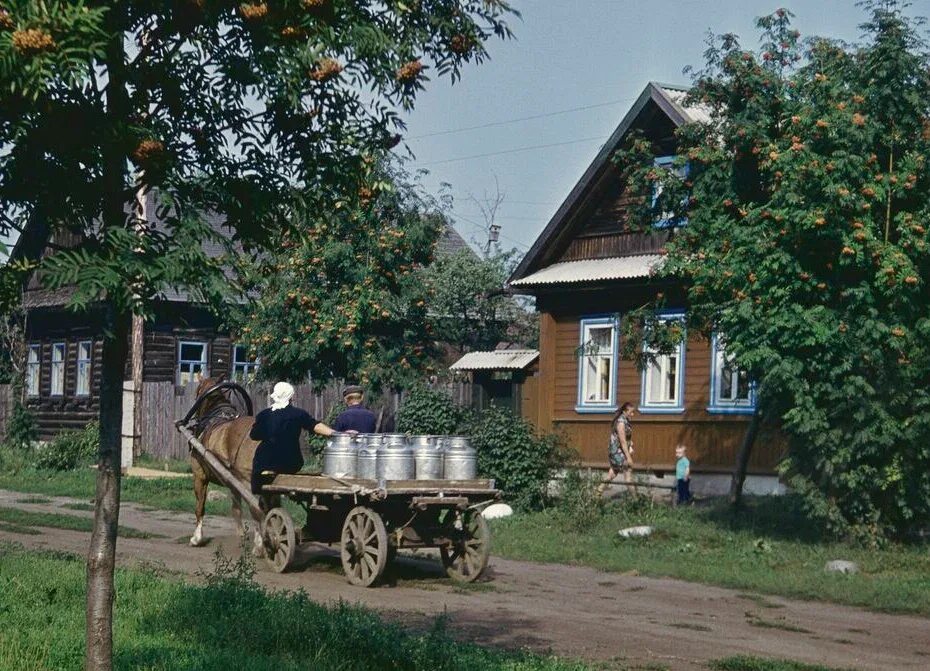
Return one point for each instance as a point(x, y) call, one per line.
point(356, 418)
point(279, 433)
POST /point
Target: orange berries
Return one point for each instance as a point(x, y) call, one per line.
point(325, 70)
point(820, 221)
point(409, 71)
point(858, 119)
point(911, 280)
point(147, 150)
point(848, 251)
point(821, 123)
point(253, 12)
point(898, 332)
point(32, 41)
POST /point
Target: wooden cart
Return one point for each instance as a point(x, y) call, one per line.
point(370, 520)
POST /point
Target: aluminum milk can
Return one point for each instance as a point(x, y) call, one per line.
point(340, 456)
point(459, 459)
point(395, 459)
point(427, 453)
point(368, 458)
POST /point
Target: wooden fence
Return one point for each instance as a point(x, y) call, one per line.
point(6, 406)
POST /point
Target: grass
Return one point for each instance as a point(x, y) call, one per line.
point(744, 663)
point(22, 518)
point(78, 506)
point(766, 548)
point(228, 622)
point(41, 500)
point(173, 465)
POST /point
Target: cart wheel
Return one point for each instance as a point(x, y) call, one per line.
point(280, 538)
point(466, 556)
point(364, 546)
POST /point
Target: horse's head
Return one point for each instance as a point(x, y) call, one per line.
point(213, 400)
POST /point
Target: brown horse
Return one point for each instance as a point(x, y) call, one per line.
point(229, 440)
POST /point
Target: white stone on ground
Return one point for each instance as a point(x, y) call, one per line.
point(496, 511)
point(841, 566)
point(635, 532)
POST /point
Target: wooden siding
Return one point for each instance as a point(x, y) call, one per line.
point(615, 244)
point(712, 439)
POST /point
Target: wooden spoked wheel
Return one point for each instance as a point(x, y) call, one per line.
point(364, 546)
point(466, 555)
point(280, 537)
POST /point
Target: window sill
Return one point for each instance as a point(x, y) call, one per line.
point(660, 409)
point(730, 410)
point(595, 409)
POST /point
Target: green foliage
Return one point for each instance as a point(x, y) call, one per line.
point(808, 209)
point(746, 663)
point(341, 299)
point(21, 429)
point(468, 305)
point(168, 624)
point(70, 449)
point(429, 412)
point(580, 501)
point(510, 451)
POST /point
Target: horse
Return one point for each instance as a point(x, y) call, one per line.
point(225, 435)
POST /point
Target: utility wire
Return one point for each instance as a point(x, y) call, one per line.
point(506, 122)
point(484, 229)
point(512, 151)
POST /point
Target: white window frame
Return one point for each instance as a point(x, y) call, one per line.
point(669, 407)
point(83, 368)
point(57, 369)
point(34, 370)
point(204, 370)
point(665, 220)
point(245, 371)
point(720, 405)
point(609, 404)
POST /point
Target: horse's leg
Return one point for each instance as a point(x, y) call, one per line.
point(236, 507)
point(200, 497)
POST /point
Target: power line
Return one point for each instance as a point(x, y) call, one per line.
point(512, 151)
point(506, 122)
point(484, 229)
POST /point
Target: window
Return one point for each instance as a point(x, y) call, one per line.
point(597, 365)
point(667, 219)
point(33, 368)
point(245, 367)
point(192, 362)
point(84, 355)
point(663, 379)
point(58, 369)
point(731, 390)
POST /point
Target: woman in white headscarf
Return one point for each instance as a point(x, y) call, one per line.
point(278, 428)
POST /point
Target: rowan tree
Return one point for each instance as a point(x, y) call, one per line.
point(803, 240)
point(219, 105)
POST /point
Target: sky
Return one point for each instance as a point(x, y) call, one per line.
point(593, 54)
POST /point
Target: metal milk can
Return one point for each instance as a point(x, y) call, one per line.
point(459, 459)
point(340, 456)
point(368, 456)
point(427, 453)
point(395, 459)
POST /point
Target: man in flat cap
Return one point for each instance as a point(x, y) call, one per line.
point(356, 417)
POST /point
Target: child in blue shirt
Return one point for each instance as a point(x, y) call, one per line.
point(683, 475)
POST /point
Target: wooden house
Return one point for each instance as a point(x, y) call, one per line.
point(586, 269)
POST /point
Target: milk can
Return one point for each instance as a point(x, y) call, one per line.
point(427, 453)
point(459, 459)
point(395, 459)
point(368, 458)
point(340, 455)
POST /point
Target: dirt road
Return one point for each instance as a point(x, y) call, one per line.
point(570, 611)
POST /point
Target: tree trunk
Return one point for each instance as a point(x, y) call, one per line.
point(742, 458)
point(101, 557)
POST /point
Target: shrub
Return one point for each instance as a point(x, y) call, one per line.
point(21, 431)
point(426, 411)
point(581, 503)
point(70, 449)
point(510, 451)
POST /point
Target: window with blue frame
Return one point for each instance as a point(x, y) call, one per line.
point(663, 382)
point(731, 389)
point(597, 365)
point(667, 219)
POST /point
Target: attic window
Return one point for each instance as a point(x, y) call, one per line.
point(668, 219)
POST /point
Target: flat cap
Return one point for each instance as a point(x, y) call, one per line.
point(352, 389)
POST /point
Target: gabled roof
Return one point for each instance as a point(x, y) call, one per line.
point(669, 99)
point(450, 242)
point(499, 359)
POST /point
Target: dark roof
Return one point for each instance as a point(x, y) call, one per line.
point(669, 99)
point(450, 242)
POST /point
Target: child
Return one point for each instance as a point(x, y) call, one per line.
point(683, 475)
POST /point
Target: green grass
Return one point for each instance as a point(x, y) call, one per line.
point(22, 518)
point(78, 506)
point(226, 623)
point(767, 548)
point(743, 663)
point(173, 465)
point(40, 500)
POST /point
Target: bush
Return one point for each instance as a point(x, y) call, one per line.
point(21, 431)
point(426, 411)
point(510, 451)
point(70, 449)
point(581, 503)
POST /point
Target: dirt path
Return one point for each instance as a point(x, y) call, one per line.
point(570, 611)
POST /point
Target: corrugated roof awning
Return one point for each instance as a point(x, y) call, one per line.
point(593, 270)
point(501, 359)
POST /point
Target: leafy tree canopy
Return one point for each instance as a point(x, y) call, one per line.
point(807, 201)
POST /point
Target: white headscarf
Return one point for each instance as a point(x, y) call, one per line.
point(281, 396)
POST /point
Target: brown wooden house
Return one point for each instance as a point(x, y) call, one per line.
point(586, 269)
